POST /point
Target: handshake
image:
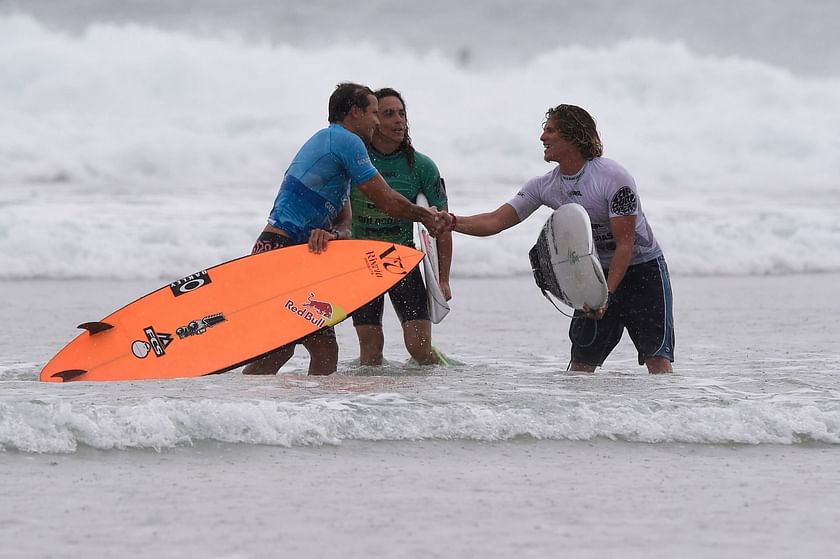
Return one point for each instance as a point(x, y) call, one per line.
point(438, 222)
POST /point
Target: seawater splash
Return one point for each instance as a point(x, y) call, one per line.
point(158, 153)
point(161, 423)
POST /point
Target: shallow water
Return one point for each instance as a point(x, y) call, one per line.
point(748, 372)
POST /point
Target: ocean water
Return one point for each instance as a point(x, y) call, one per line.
point(755, 374)
point(141, 142)
point(503, 455)
point(170, 143)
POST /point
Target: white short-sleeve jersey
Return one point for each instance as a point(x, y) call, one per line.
point(606, 190)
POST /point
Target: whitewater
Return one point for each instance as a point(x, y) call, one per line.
point(168, 147)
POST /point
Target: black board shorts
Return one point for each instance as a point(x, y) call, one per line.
point(272, 241)
point(643, 304)
point(408, 298)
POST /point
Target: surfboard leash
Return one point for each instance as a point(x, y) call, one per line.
point(542, 274)
point(551, 300)
point(573, 317)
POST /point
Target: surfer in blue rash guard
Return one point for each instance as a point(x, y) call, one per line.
point(313, 205)
point(640, 298)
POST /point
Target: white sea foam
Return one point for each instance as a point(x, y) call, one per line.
point(128, 151)
point(61, 426)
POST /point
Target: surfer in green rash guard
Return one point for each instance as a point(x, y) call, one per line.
point(640, 298)
point(313, 205)
point(410, 173)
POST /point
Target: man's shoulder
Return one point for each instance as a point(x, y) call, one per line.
point(610, 168)
point(337, 132)
point(425, 164)
point(541, 182)
point(349, 148)
point(422, 159)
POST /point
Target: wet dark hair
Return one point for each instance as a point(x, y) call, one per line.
point(346, 96)
point(405, 146)
point(577, 126)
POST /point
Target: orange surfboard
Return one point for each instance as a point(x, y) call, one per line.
point(223, 317)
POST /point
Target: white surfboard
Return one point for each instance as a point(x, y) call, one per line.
point(565, 262)
point(438, 306)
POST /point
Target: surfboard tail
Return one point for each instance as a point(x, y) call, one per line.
point(540, 256)
point(565, 262)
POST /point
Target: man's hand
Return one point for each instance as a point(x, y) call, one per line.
point(446, 290)
point(319, 238)
point(437, 222)
point(598, 313)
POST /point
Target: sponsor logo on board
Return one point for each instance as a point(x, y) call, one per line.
point(200, 326)
point(392, 262)
point(426, 241)
point(140, 349)
point(312, 310)
point(190, 283)
point(373, 264)
point(321, 307)
point(157, 342)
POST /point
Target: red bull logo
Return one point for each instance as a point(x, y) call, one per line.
point(322, 307)
point(323, 310)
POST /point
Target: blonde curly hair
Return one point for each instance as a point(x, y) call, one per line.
point(577, 126)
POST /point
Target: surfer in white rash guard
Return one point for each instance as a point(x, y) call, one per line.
point(640, 297)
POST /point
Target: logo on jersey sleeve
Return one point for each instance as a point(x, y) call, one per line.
point(441, 187)
point(624, 202)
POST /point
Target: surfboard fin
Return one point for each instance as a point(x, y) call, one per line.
point(95, 327)
point(69, 374)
